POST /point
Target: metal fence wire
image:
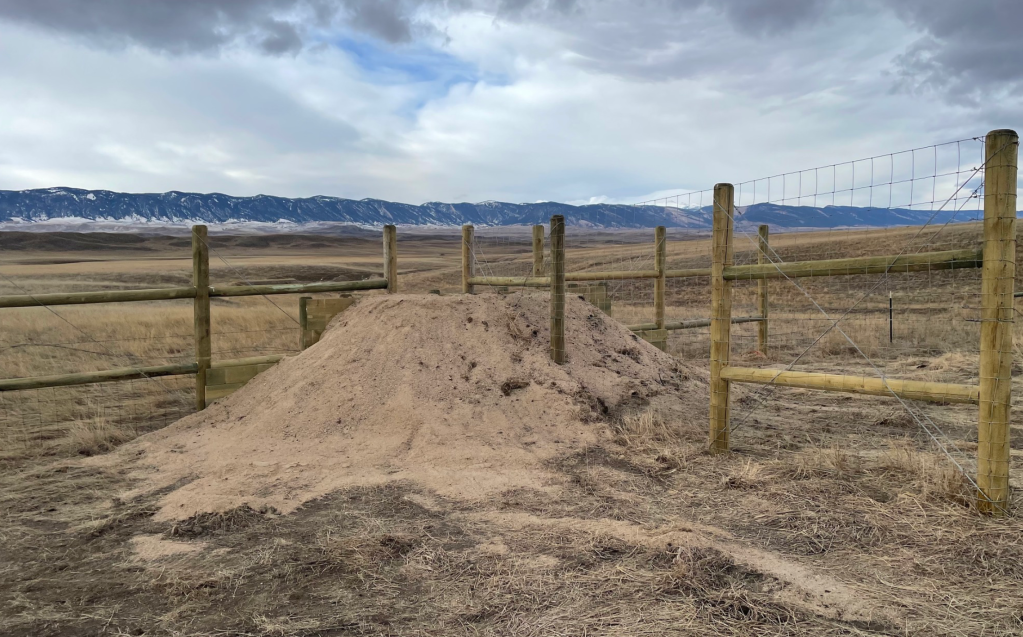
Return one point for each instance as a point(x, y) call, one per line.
point(868, 268)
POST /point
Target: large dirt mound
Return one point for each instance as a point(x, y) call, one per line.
point(456, 393)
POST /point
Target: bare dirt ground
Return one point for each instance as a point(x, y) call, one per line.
point(833, 515)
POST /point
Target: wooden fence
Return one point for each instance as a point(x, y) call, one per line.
point(996, 259)
point(208, 376)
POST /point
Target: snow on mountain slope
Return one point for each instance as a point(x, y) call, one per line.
point(181, 208)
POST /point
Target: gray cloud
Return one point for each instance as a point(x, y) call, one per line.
point(962, 52)
point(281, 37)
point(565, 98)
point(190, 26)
point(969, 50)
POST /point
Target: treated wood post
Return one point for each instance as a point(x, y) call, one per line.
point(303, 322)
point(201, 313)
point(537, 250)
point(558, 289)
point(660, 261)
point(762, 254)
point(468, 267)
point(391, 258)
point(720, 315)
point(1001, 149)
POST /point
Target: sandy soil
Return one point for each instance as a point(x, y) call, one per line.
point(456, 394)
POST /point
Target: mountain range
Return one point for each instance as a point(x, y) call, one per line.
point(25, 207)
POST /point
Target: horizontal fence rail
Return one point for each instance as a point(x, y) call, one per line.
point(620, 275)
point(870, 385)
point(691, 324)
point(82, 298)
point(922, 262)
point(684, 274)
point(511, 281)
point(126, 373)
point(166, 294)
point(298, 288)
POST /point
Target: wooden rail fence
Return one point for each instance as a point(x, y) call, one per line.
point(996, 260)
point(221, 383)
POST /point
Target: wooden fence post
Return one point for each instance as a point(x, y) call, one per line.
point(558, 289)
point(762, 258)
point(468, 267)
point(1001, 150)
point(660, 262)
point(201, 312)
point(391, 258)
point(538, 250)
point(303, 322)
point(720, 315)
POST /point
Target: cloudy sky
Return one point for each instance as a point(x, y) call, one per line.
point(467, 100)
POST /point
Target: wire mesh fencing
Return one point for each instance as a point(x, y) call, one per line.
point(866, 269)
point(87, 419)
point(82, 373)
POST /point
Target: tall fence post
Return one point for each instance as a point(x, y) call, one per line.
point(538, 250)
point(720, 315)
point(391, 258)
point(468, 267)
point(558, 289)
point(762, 254)
point(201, 312)
point(660, 263)
point(1001, 150)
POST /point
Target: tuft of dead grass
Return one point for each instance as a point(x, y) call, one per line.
point(97, 435)
point(930, 475)
point(672, 444)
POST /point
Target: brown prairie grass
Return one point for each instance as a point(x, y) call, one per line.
point(848, 487)
point(97, 435)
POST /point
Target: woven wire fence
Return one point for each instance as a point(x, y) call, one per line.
point(43, 341)
point(917, 323)
point(914, 325)
point(68, 339)
point(248, 326)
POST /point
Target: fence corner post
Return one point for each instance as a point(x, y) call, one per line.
point(391, 258)
point(558, 289)
point(720, 315)
point(538, 250)
point(762, 307)
point(201, 311)
point(1001, 150)
point(660, 262)
point(468, 267)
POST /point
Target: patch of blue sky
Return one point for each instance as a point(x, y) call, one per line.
point(431, 70)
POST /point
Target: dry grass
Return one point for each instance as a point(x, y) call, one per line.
point(97, 435)
point(646, 535)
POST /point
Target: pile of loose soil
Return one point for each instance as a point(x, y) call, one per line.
point(456, 394)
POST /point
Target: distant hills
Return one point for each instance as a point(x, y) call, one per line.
point(180, 208)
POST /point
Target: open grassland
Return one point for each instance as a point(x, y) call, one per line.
point(835, 515)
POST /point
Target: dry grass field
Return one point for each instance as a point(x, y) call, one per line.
point(834, 515)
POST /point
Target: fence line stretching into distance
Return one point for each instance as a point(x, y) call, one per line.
point(995, 259)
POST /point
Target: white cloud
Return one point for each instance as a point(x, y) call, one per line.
point(599, 102)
